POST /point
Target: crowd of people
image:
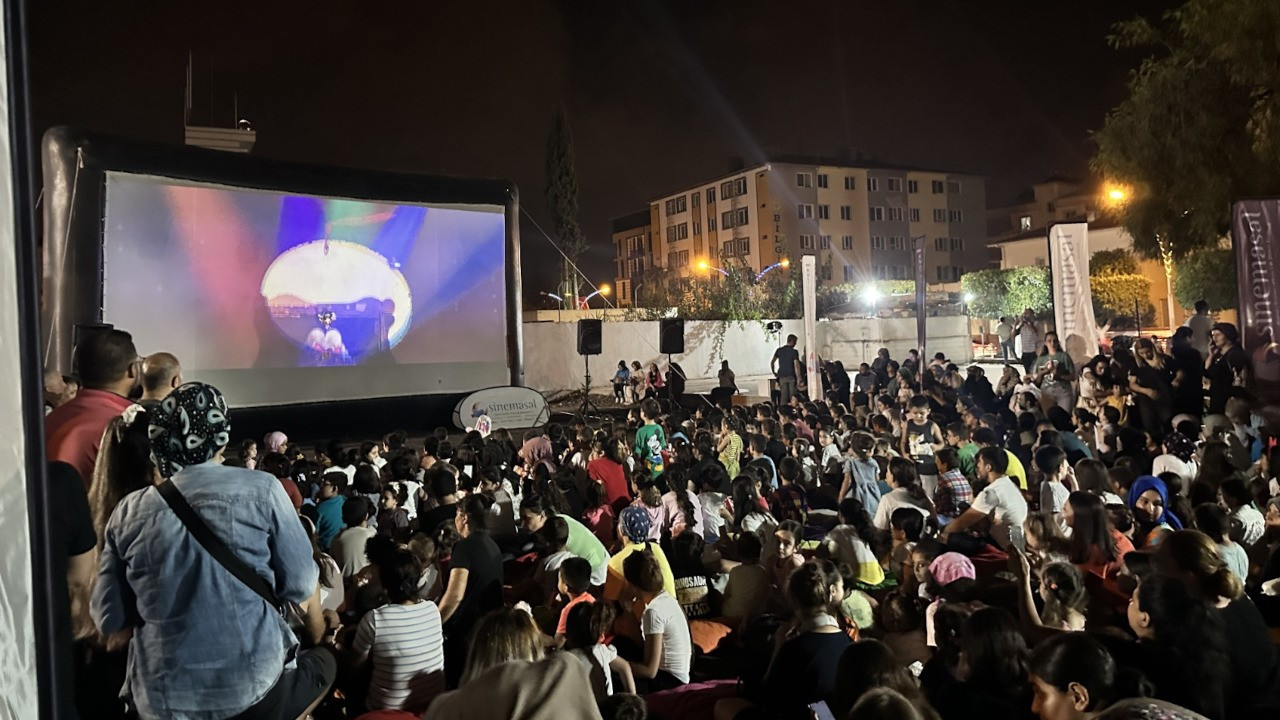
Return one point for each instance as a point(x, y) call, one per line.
point(908, 542)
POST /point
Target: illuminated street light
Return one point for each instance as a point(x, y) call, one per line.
point(704, 266)
point(1116, 195)
point(603, 290)
point(784, 262)
point(968, 297)
point(871, 295)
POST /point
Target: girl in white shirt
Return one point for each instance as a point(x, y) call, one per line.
point(906, 492)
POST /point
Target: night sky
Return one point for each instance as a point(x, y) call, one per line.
point(660, 95)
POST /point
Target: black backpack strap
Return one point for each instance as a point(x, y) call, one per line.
point(215, 547)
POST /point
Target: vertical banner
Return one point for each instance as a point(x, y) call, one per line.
point(809, 284)
point(1255, 232)
point(20, 664)
point(921, 316)
point(1072, 298)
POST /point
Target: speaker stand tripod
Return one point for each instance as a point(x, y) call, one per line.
point(587, 405)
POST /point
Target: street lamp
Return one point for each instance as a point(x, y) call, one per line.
point(604, 290)
point(558, 299)
point(704, 266)
point(1116, 195)
point(968, 298)
point(784, 262)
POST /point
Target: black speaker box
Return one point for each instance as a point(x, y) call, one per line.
point(671, 336)
point(589, 337)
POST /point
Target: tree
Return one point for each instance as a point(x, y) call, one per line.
point(562, 199)
point(1113, 262)
point(1117, 296)
point(1201, 126)
point(1007, 292)
point(1208, 275)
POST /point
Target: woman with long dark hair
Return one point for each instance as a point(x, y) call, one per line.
point(906, 492)
point(992, 672)
point(1226, 367)
point(1095, 546)
point(1182, 648)
point(1152, 393)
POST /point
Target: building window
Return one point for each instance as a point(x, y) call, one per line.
point(806, 242)
point(895, 213)
point(679, 232)
point(938, 186)
point(940, 243)
point(873, 184)
point(822, 180)
point(897, 242)
point(711, 223)
point(939, 215)
point(711, 195)
point(734, 218)
point(824, 242)
point(824, 212)
point(955, 215)
point(678, 259)
point(890, 272)
point(877, 242)
point(676, 205)
point(846, 212)
point(895, 184)
point(733, 188)
point(805, 211)
point(848, 273)
point(1024, 223)
point(824, 272)
point(736, 248)
point(849, 183)
point(696, 199)
point(953, 187)
point(948, 273)
point(804, 180)
point(877, 213)
point(846, 242)
point(915, 214)
point(957, 244)
point(913, 186)
point(697, 226)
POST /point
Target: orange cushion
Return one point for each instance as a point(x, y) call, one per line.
point(707, 634)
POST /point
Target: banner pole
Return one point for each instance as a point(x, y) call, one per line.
point(809, 275)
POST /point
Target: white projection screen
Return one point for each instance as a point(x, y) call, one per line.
point(279, 298)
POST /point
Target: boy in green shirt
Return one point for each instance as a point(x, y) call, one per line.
point(966, 449)
point(650, 440)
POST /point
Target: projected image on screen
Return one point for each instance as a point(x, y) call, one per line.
point(245, 284)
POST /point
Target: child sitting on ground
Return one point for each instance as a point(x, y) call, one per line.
point(554, 536)
point(599, 516)
point(907, 525)
point(747, 590)
point(854, 542)
point(574, 584)
point(786, 560)
point(903, 624)
point(583, 628)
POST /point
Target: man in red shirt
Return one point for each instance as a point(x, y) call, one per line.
point(109, 369)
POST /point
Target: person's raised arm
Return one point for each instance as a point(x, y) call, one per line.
point(453, 593)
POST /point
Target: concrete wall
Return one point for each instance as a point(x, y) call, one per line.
point(552, 363)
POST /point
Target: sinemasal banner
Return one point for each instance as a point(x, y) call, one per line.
point(1255, 231)
point(506, 407)
point(1072, 298)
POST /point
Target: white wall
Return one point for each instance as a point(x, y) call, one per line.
point(552, 363)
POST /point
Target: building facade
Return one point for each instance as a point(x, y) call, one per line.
point(632, 248)
point(857, 221)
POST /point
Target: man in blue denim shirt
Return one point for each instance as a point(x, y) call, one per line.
point(204, 645)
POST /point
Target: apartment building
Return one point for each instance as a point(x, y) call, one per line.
point(858, 221)
point(632, 248)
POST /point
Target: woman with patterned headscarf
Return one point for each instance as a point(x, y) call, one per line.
point(633, 536)
point(1179, 458)
point(190, 617)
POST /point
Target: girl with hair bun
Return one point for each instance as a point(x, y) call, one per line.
point(403, 639)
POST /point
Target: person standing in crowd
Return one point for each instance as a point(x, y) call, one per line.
point(1226, 367)
point(1029, 334)
point(783, 366)
point(1188, 381)
point(1004, 335)
point(161, 375)
point(1200, 324)
point(110, 370)
point(205, 644)
point(726, 378)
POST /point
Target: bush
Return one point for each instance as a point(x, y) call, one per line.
point(1007, 292)
point(1115, 297)
point(1113, 262)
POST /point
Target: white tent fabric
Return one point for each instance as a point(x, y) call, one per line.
point(17, 626)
